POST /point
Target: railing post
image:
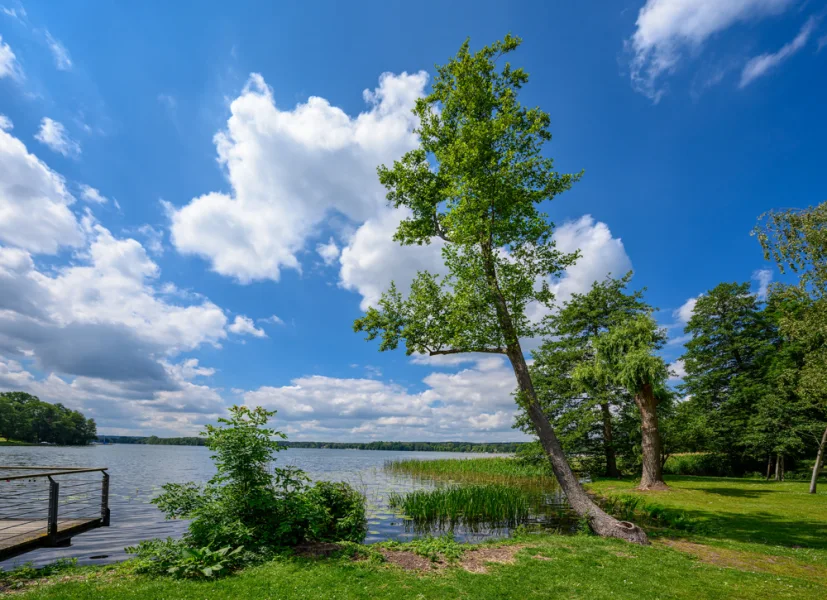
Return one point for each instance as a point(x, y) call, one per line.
point(105, 499)
point(54, 489)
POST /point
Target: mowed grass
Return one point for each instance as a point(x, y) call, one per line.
point(544, 567)
point(753, 511)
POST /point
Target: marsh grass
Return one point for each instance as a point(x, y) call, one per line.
point(475, 470)
point(477, 506)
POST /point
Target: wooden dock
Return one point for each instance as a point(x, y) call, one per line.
point(47, 506)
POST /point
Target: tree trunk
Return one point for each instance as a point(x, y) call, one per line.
point(601, 523)
point(819, 462)
point(652, 478)
point(769, 467)
point(608, 442)
point(779, 468)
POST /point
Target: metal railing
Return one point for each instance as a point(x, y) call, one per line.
point(45, 506)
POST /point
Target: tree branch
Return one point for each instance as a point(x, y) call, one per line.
point(458, 351)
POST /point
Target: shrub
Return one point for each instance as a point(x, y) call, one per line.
point(250, 505)
point(701, 463)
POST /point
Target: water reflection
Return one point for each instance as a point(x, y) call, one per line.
point(137, 473)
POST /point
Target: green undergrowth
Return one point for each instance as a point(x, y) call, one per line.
point(545, 566)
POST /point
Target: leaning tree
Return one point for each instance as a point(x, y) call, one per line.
point(475, 182)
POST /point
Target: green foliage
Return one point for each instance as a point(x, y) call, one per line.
point(18, 576)
point(474, 184)
point(250, 503)
point(26, 418)
point(492, 504)
point(699, 464)
point(646, 512)
point(501, 469)
point(178, 559)
point(344, 515)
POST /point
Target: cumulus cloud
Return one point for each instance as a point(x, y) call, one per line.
point(667, 29)
point(53, 134)
point(8, 61)
point(759, 66)
point(677, 371)
point(5, 123)
point(684, 313)
point(61, 55)
point(245, 326)
point(329, 252)
point(601, 255)
point(90, 194)
point(288, 170)
point(474, 404)
point(763, 277)
point(34, 202)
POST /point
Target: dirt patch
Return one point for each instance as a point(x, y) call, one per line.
point(317, 550)
point(410, 561)
point(477, 560)
point(749, 561)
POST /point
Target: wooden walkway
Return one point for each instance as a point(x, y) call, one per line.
point(46, 506)
point(21, 536)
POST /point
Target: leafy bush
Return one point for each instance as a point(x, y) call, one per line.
point(701, 463)
point(249, 505)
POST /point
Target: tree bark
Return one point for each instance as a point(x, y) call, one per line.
point(819, 462)
point(608, 442)
point(769, 467)
point(652, 477)
point(601, 523)
point(779, 468)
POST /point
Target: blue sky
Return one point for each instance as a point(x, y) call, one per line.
point(190, 218)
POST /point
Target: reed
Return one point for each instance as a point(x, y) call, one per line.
point(474, 470)
point(494, 505)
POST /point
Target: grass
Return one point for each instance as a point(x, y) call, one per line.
point(495, 505)
point(544, 567)
point(487, 470)
point(746, 539)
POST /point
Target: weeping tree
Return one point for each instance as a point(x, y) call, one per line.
point(475, 182)
point(797, 240)
point(624, 355)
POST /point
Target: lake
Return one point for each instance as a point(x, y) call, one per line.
point(138, 471)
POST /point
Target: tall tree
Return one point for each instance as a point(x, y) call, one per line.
point(625, 355)
point(574, 329)
point(476, 181)
point(724, 362)
point(797, 240)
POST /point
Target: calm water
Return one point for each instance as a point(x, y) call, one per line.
point(138, 471)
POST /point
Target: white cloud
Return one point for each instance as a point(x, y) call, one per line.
point(677, 371)
point(288, 170)
point(329, 251)
point(666, 29)
point(684, 313)
point(601, 255)
point(90, 194)
point(372, 259)
point(763, 277)
point(53, 134)
point(759, 66)
point(34, 202)
point(245, 326)
point(274, 319)
point(5, 123)
point(19, 13)
point(8, 61)
point(473, 404)
point(153, 239)
point(61, 55)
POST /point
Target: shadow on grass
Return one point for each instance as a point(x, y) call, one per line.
point(762, 528)
point(736, 493)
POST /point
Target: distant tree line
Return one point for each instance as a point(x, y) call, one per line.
point(26, 418)
point(487, 447)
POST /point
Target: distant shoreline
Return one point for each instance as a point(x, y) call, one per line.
point(482, 447)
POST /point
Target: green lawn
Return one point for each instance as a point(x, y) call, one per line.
point(757, 540)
